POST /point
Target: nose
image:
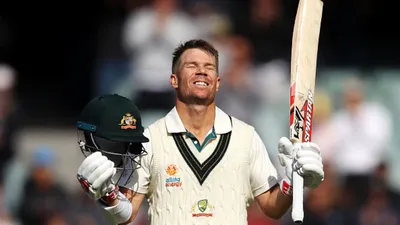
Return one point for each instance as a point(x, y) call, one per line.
point(201, 72)
point(201, 69)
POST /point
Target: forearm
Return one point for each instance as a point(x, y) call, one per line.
point(277, 204)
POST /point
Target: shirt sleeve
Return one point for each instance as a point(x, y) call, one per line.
point(263, 174)
point(139, 179)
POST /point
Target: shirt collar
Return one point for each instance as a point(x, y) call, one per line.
point(222, 122)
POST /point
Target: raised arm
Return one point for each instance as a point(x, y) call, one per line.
point(264, 182)
point(273, 192)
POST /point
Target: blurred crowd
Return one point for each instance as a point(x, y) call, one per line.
point(354, 118)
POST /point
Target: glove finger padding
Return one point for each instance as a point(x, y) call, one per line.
point(313, 175)
point(314, 170)
point(282, 160)
point(102, 185)
point(100, 174)
point(308, 161)
point(285, 147)
point(88, 160)
point(92, 167)
point(306, 158)
point(308, 154)
point(310, 146)
point(311, 182)
point(308, 164)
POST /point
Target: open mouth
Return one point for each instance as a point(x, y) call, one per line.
point(200, 83)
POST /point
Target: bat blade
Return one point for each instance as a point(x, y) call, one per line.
point(302, 85)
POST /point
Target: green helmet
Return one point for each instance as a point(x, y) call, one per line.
point(112, 125)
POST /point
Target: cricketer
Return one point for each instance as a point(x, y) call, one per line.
point(196, 165)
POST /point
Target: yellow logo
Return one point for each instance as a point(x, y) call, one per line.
point(128, 122)
point(172, 180)
point(202, 209)
point(171, 170)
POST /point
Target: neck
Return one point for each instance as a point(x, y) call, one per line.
point(197, 119)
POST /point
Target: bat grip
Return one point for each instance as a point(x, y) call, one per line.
point(298, 190)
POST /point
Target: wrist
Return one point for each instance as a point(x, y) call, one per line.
point(111, 198)
point(286, 186)
point(119, 213)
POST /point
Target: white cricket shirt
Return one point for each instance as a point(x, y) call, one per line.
point(213, 186)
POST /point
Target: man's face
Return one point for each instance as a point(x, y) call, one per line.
point(352, 100)
point(43, 177)
point(196, 80)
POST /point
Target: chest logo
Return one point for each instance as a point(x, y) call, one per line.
point(202, 209)
point(172, 180)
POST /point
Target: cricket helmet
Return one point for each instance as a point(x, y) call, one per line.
point(112, 125)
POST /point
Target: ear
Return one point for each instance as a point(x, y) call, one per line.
point(218, 83)
point(173, 80)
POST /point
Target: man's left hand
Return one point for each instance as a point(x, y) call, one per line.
point(306, 161)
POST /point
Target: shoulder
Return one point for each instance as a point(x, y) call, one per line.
point(225, 121)
point(238, 124)
point(246, 133)
point(156, 128)
point(158, 124)
point(249, 130)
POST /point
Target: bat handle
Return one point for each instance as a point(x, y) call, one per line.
point(298, 190)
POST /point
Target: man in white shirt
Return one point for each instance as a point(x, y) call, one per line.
point(201, 165)
point(150, 34)
point(363, 130)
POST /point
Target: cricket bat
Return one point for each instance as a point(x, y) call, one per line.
point(302, 85)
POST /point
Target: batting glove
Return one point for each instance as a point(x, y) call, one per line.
point(94, 175)
point(306, 161)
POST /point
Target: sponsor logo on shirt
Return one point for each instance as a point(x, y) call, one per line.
point(172, 180)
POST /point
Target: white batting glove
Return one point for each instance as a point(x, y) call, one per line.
point(307, 162)
point(94, 175)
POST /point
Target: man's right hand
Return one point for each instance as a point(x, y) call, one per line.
point(94, 175)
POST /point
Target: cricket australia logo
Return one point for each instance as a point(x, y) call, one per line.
point(202, 209)
point(172, 180)
point(128, 122)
